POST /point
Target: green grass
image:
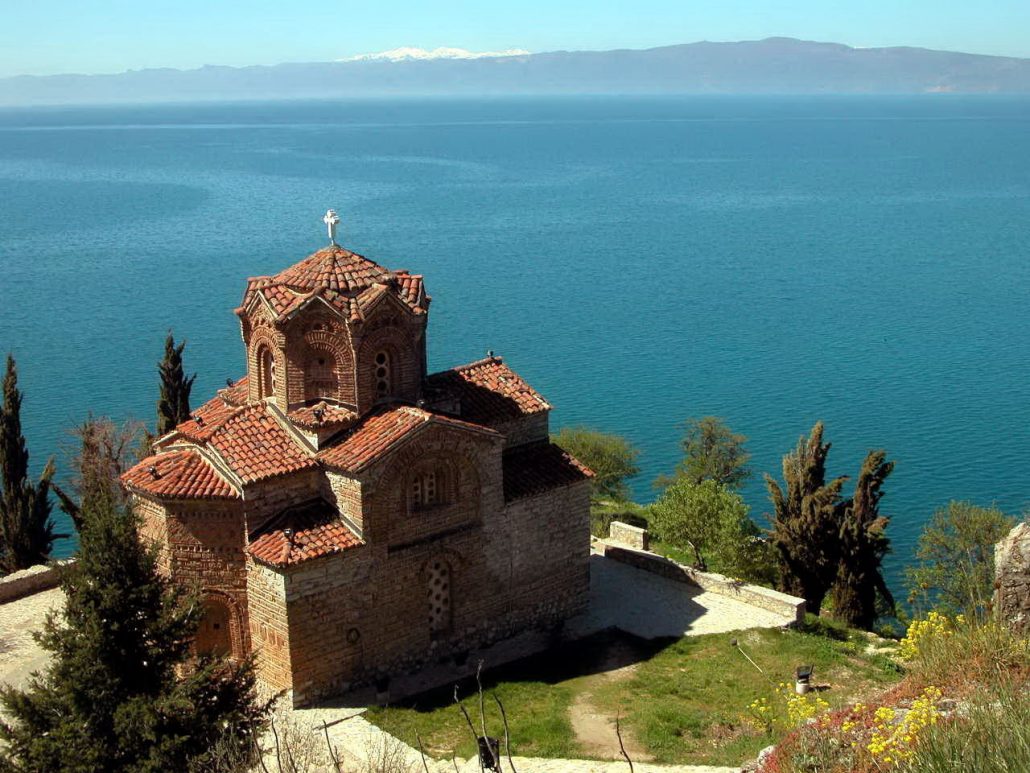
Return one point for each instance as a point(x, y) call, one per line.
point(603, 513)
point(685, 701)
point(537, 712)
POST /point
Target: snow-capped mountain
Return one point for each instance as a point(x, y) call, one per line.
point(408, 53)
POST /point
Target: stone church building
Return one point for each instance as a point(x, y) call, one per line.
point(348, 516)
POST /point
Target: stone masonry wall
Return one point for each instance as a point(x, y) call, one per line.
point(363, 615)
point(269, 626)
point(525, 429)
point(345, 493)
point(550, 535)
point(1012, 578)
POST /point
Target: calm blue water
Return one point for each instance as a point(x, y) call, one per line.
point(773, 261)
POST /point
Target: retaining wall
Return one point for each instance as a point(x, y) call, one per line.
point(32, 580)
point(755, 595)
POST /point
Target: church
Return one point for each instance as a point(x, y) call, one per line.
point(349, 517)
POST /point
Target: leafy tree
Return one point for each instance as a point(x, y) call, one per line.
point(612, 458)
point(122, 691)
point(807, 516)
point(105, 451)
point(712, 522)
point(173, 407)
point(955, 569)
point(26, 529)
point(863, 544)
point(711, 451)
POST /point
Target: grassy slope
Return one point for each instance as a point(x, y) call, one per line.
point(685, 702)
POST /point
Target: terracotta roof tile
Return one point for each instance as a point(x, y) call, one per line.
point(321, 415)
point(181, 474)
point(538, 467)
point(380, 432)
point(236, 394)
point(488, 392)
point(255, 446)
point(339, 276)
point(315, 530)
point(334, 268)
point(205, 420)
point(376, 434)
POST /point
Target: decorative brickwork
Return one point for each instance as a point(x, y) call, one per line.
point(346, 516)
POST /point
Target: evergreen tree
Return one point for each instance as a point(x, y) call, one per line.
point(122, 691)
point(806, 521)
point(173, 406)
point(26, 529)
point(863, 544)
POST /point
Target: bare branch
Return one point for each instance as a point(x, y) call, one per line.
point(472, 728)
point(332, 752)
point(507, 735)
point(260, 754)
point(278, 751)
point(422, 751)
point(622, 746)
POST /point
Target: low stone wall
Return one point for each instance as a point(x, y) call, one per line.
point(1012, 579)
point(755, 595)
point(631, 536)
point(32, 580)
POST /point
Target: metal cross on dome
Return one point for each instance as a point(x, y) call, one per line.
point(331, 220)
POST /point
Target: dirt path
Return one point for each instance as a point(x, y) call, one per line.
point(594, 726)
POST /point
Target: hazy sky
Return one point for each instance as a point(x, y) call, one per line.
point(52, 36)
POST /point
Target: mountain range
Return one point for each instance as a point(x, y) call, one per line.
point(770, 66)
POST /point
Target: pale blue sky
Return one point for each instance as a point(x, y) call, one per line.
point(51, 36)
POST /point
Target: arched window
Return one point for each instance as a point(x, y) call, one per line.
point(383, 374)
point(439, 592)
point(320, 379)
point(266, 372)
point(213, 633)
point(429, 487)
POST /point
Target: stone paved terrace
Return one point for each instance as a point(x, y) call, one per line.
point(651, 606)
point(19, 653)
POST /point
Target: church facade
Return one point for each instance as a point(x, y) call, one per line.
point(348, 516)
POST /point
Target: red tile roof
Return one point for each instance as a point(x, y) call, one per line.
point(256, 447)
point(205, 420)
point(538, 467)
point(348, 282)
point(236, 394)
point(315, 530)
point(331, 416)
point(333, 268)
point(379, 432)
point(488, 392)
point(181, 474)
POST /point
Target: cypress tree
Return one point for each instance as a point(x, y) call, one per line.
point(26, 530)
point(123, 691)
point(806, 521)
point(173, 406)
point(863, 544)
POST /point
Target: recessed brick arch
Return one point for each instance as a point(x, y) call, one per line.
point(266, 365)
point(327, 366)
point(221, 628)
point(401, 364)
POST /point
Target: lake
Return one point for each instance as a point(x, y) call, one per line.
point(773, 261)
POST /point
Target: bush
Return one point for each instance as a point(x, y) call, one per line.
point(711, 522)
point(955, 573)
point(612, 458)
